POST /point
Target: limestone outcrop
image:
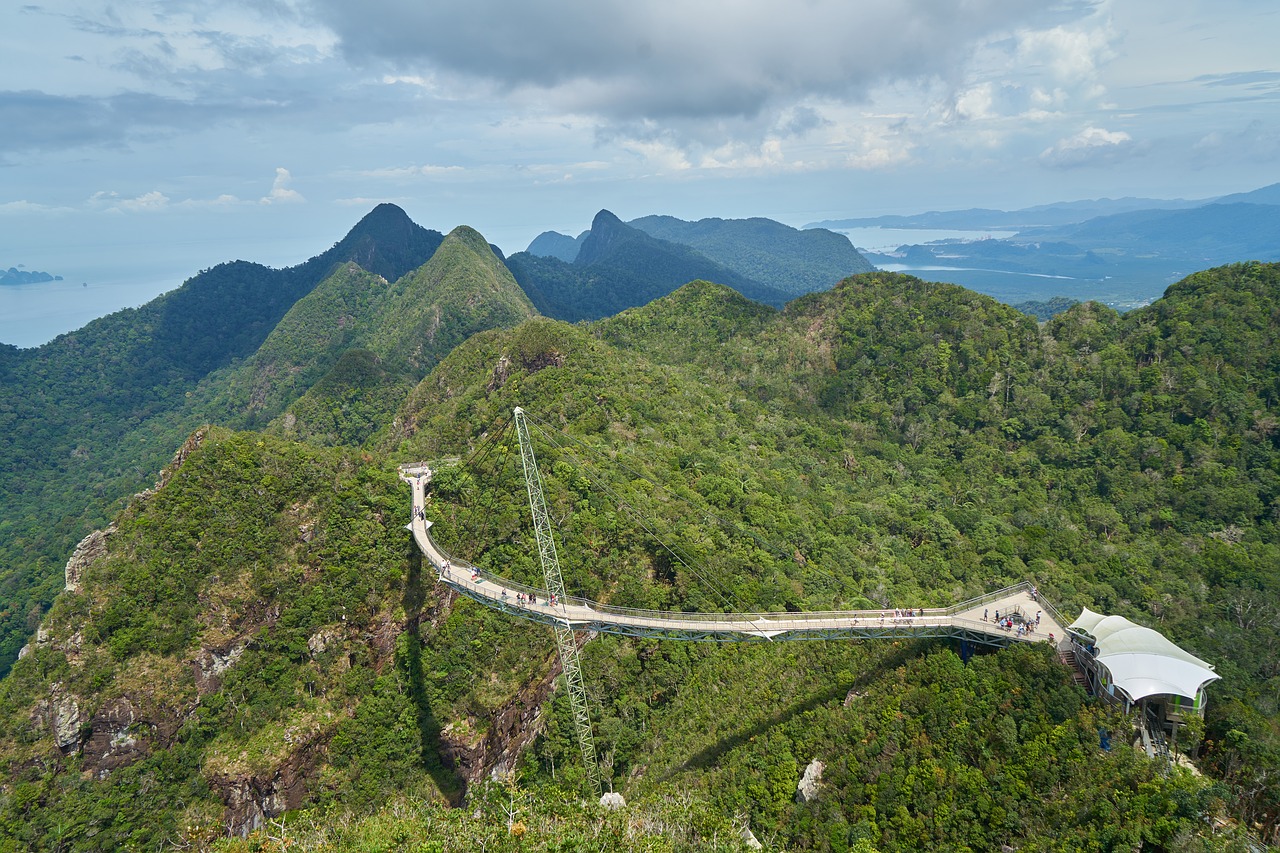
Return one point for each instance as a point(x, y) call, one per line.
point(807, 789)
point(91, 549)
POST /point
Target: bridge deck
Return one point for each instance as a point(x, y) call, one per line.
point(963, 621)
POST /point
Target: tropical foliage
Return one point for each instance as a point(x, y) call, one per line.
point(261, 634)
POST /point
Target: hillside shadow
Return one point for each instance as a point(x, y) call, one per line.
point(711, 755)
point(440, 771)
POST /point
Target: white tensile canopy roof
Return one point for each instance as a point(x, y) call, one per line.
point(1142, 662)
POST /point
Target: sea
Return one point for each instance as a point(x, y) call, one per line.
point(34, 314)
point(881, 240)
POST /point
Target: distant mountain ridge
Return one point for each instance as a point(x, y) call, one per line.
point(553, 244)
point(1119, 251)
point(792, 260)
point(765, 251)
point(617, 267)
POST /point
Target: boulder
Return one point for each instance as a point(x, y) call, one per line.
point(807, 789)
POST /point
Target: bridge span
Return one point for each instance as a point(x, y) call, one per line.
point(970, 621)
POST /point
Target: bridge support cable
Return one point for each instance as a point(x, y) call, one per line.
point(601, 483)
point(570, 663)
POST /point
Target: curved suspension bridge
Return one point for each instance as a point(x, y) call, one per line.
point(972, 620)
point(1014, 614)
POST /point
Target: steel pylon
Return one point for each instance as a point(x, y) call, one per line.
point(570, 664)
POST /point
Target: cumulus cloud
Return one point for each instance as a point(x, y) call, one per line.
point(976, 102)
point(1090, 147)
point(280, 192)
point(1068, 54)
point(145, 203)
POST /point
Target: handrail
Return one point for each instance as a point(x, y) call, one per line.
point(778, 618)
point(1053, 613)
point(988, 597)
point(771, 621)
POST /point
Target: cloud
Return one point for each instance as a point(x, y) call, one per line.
point(111, 202)
point(411, 171)
point(1069, 55)
point(975, 103)
point(1255, 143)
point(280, 192)
point(629, 62)
point(24, 207)
point(1263, 80)
point(145, 203)
point(365, 201)
point(1092, 146)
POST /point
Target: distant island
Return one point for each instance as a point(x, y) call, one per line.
point(13, 275)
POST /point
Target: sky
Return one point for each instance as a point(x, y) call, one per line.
point(146, 140)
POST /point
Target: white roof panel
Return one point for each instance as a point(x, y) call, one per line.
point(1143, 662)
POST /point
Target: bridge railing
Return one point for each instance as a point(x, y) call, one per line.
point(1053, 613)
point(988, 597)
point(461, 573)
point(772, 621)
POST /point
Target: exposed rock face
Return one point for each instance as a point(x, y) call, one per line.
point(501, 371)
point(321, 640)
point(807, 790)
point(613, 801)
point(91, 548)
point(749, 838)
point(66, 721)
point(60, 713)
point(513, 727)
point(209, 664)
point(112, 742)
point(252, 799)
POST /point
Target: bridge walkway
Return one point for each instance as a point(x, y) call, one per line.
point(972, 620)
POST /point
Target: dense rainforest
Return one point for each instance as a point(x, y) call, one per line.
point(255, 648)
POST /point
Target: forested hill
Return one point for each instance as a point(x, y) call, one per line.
point(88, 418)
point(260, 634)
point(407, 325)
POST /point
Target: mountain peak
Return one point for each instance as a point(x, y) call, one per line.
point(385, 242)
point(606, 231)
point(385, 223)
